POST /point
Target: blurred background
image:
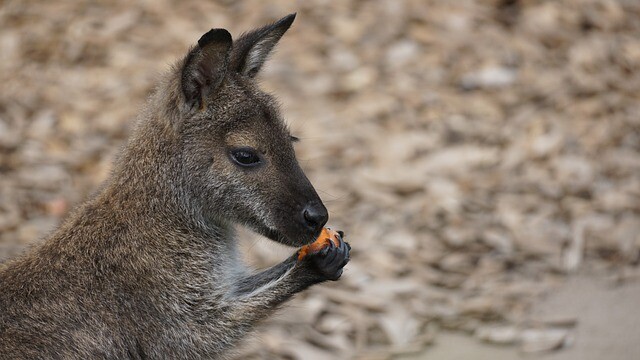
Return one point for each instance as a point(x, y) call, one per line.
point(482, 157)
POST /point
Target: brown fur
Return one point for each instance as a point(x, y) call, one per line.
point(148, 268)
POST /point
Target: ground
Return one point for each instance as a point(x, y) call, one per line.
point(476, 153)
point(608, 325)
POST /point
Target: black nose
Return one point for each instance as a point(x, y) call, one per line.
point(315, 216)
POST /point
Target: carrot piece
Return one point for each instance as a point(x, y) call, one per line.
point(321, 242)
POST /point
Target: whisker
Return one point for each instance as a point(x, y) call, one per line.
point(329, 194)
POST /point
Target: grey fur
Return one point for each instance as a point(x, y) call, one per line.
point(148, 268)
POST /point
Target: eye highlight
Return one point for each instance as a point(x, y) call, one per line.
point(245, 157)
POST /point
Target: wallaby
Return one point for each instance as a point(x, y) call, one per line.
point(148, 268)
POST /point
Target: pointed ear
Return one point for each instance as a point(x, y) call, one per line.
point(254, 47)
point(205, 67)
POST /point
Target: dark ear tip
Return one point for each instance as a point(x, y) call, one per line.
point(215, 36)
point(287, 20)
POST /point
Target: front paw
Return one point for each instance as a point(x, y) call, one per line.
point(329, 261)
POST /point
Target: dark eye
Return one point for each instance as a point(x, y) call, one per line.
point(246, 157)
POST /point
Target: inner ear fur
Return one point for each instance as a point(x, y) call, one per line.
point(252, 49)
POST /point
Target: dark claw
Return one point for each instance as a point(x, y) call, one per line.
point(325, 251)
point(332, 253)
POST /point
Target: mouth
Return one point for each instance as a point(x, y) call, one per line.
point(300, 240)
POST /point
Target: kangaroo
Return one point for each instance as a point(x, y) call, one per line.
point(148, 268)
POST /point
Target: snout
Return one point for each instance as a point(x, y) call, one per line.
point(314, 216)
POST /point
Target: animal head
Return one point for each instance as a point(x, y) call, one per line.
point(238, 152)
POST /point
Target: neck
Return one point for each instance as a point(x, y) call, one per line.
point(149, 181)
point(138, 223)
point(147, 192)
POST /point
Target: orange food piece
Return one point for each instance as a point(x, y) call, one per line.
point(321, 242)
